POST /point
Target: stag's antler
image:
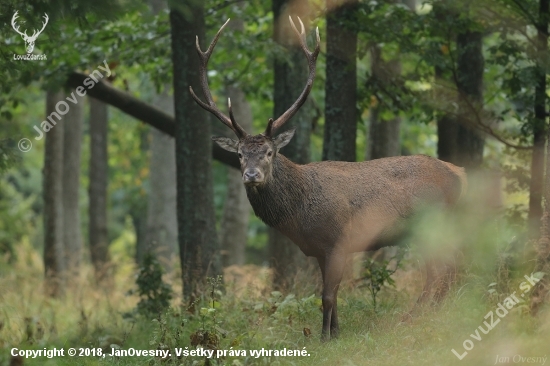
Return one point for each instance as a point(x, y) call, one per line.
point(210, 105)
point(272, 125)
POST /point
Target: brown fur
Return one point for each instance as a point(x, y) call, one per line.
point(313, 204)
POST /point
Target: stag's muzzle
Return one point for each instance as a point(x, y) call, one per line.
point(252, 176)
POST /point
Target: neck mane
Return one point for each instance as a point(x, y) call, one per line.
point(280, 198)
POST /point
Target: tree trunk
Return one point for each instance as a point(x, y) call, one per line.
point(162, 224)
point(470, 66)
point(54, 254)
point(540, 293)
point(459, 142)
point(99, 244)
point(198, 242)
point(290, 76)
point(384, 140)
point(160, 232)
point(236, 211)
point(341, 83)
point(72, 146)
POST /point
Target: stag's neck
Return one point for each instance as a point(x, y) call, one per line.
point(279, 200)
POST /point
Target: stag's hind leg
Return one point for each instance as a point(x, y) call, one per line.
point(446, 278)
point(440, 276)
point(332, 270)
point(431, 277)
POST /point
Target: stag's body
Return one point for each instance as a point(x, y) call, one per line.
point(330, 209)
point(347, 207)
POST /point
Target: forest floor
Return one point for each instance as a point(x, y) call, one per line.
point(477, 319)
point(249, 317)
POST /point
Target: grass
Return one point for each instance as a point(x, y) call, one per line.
point(247, 315)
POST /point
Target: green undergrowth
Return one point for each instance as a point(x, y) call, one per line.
point(278, 320)
point(241, 316)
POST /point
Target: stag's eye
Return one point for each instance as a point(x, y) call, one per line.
point(269, 153)
point(240, 156)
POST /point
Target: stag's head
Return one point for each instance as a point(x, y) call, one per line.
point(256, 153)
point(29, 40)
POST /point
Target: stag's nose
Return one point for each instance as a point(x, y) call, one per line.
point(252, 176)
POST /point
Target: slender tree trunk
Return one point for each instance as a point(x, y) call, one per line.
point(341, 83)
point(72, 146)
point(139, 205)
point(537, 176)
point(540, 293)
point(290, 76)
point(54, 254)
point(234, 225)
point(236, 211)
point(99, 242)
point(198, 242)
point(160, 232)
point(384, 140)
point(162, 224)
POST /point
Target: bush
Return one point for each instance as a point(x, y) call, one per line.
point(155, 295)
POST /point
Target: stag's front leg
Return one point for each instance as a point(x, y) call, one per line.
point(332, 269)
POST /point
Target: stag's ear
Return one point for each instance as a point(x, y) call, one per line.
point(283, 139)
point(226, 143)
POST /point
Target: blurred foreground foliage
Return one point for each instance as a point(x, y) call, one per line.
point(248, 315)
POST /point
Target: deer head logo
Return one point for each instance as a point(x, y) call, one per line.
point(29, 40)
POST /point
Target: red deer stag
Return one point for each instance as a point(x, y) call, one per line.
point(330, 209)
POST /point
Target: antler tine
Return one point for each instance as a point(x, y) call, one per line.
point(311, 58)
point(210, 48)
point(210, 106)
point(302, 33)
point(268, 130)
point(236, 127)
